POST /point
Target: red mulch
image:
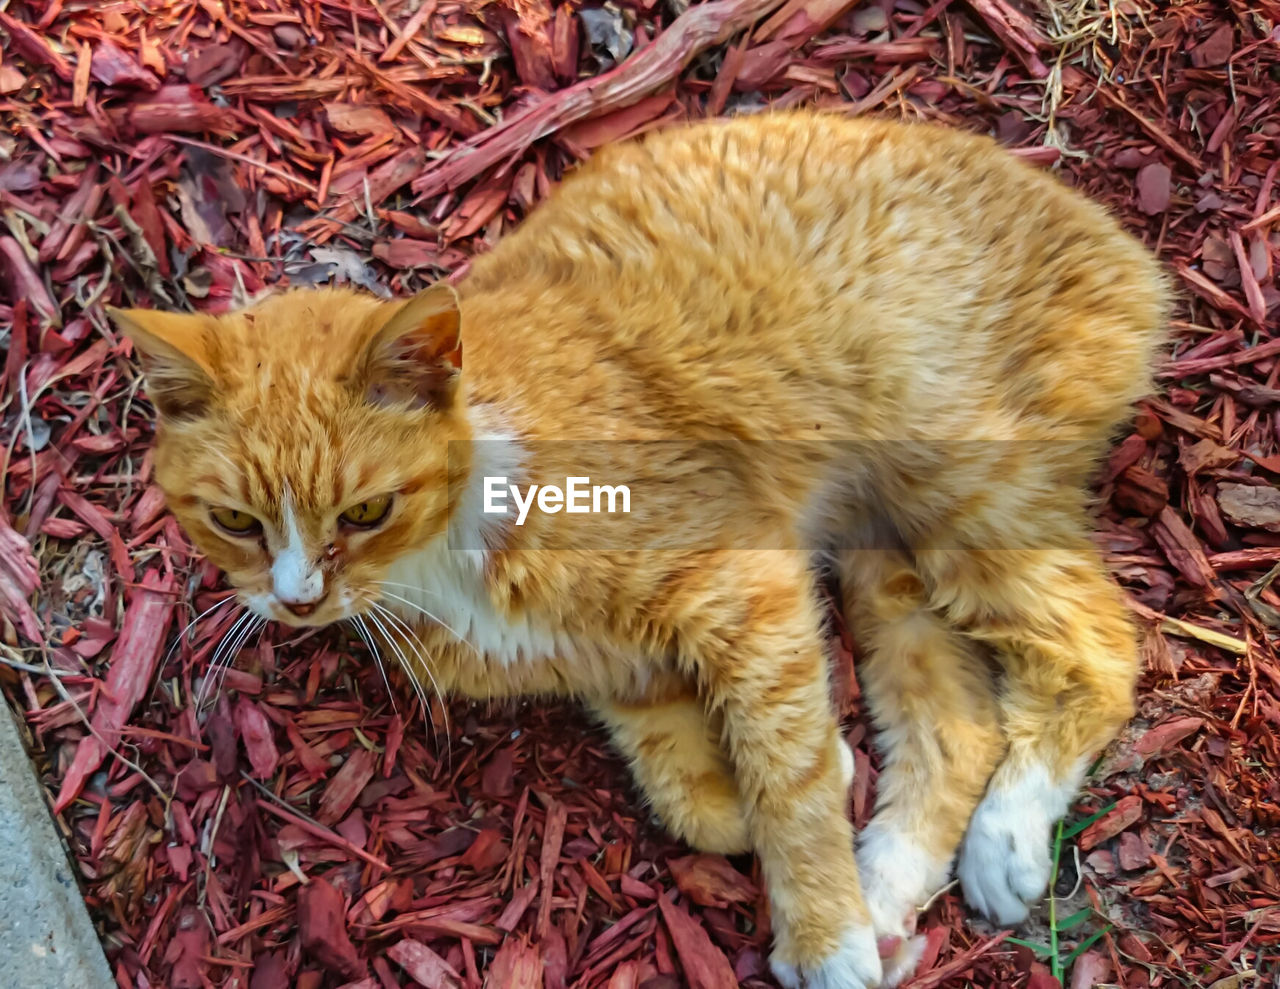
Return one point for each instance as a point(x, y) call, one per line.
point(307, 833)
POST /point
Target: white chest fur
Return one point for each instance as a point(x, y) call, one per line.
point(447, 586)
point(445, 583)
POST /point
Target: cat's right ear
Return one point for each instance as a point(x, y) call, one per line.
point(174, 354)
point(415, 357)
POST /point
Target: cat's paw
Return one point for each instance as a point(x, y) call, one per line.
point(1004, 862)
point(896, 875)
point(900, 958)
point(855, 964)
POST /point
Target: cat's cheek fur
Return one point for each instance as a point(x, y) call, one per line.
point(855, 964)
point(1005, 862)
point(259, 604)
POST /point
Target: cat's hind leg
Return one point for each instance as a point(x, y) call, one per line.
point(931, 695)
point(747, 626)
point(1060, 629)
point(676, 757)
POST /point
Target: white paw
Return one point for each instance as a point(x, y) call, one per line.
point(854, 965)
point(897, 876)
point(1004, 862)
point(902, 964)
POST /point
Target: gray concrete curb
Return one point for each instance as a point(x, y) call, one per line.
point(46, 938)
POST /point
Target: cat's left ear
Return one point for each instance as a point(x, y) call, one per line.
point(416, 356)
point(174, 348)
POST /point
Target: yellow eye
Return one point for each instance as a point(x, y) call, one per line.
point(368, 513)
point(236, 522)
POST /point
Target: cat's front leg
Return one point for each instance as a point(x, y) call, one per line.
point(754, 645)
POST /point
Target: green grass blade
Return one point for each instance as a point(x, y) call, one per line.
point(1085, 945)
point(1075, 920)
point(1055, 955)
point(1075, 829)
point(1041, 950)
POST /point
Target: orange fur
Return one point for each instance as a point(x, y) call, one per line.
point(785, 333)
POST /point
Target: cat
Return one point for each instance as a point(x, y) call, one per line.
point(794, 337)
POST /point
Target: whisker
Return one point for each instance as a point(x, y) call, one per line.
point(254, 627)
point(377, 658)
point(192, 624)
point(227, 650)
point(443, 624)
point(396, 622)
point(411, 587)
point(361, 631)
point(227, 637)
point(425, 659)
point(404, 663)
point(388, 633)
point(178, 639)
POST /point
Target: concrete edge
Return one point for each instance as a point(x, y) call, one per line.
point(46, 936)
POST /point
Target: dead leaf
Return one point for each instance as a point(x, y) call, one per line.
point(1206, 455)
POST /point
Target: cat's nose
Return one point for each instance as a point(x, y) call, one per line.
point(303, 608)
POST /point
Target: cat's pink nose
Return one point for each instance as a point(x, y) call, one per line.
point(303, 608)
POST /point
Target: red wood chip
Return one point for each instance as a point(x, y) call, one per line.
point(552, 836)
point(1251, 506)
point(1215, 49)
point(323, 932)
point(387, 144)
point(1164, 737)
point(255, 732)
point(146, 626)
point(215, 63)
point(710, 881)
point(1132, 852)
point(355, 120)
point(703, 963)
point(345, 787)
point(517, 965)
point(1092, 969)
point(1126, 813)
point(424, 965)
point(113, 67)
point(19, 579)
point(1154, 187)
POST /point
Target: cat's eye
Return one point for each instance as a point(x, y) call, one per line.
point(368, 513)
point(236, 522)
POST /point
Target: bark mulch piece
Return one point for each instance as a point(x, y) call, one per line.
point(306, 829)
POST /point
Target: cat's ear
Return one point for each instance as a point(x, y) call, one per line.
point(174, 355)
point(415, 357)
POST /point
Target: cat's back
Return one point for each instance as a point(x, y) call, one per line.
point(818, 240)
point(802, 192)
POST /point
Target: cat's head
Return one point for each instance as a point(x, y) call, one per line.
point(304, 443)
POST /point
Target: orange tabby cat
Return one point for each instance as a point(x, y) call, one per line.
point(893, 345)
